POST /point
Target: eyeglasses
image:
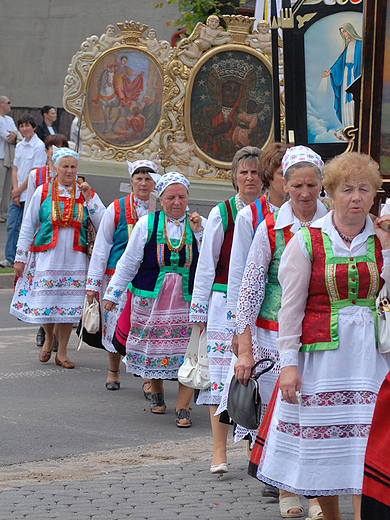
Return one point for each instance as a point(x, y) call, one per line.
point(6, 102)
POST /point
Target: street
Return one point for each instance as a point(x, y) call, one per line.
point(71, 449)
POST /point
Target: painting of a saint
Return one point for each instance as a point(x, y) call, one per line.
point(124, 97)
point(231, 104)
point(344, 72)
point(333, 39)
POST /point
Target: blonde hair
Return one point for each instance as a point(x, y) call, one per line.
point(350, 165)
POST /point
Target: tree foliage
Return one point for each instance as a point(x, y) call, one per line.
point(194, 11)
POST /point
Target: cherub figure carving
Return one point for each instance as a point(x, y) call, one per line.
point(182, 150)
point(262, 39)
point(107, 39)
point(151, 43)
point(203, 37)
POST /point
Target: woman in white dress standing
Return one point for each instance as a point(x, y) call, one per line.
point(111, 240)
point(208, 305)
point(51, 285)
point(160, 262)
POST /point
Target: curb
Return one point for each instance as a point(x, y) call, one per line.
point(7, 280)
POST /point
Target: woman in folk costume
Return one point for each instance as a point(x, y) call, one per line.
point(36, 178)
point(111, 241)
point(246, 225)
point(51, 285)
point(159, 262)
point(260, 293)
point(208, 303)
point(331, 369)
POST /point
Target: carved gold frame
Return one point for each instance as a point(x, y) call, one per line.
point(178, 84)
point(187, 122)
point(113, 149)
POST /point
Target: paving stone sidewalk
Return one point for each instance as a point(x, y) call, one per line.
point(163, 491)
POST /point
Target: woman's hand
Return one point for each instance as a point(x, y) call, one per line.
point(243, 367)
point(18, 269)
point(195, 221)
point(382, 234)
point(109, 306)
point(290, 384)
point(326, 73)
point(201, 325)
point(85, 189)
point(91, 295)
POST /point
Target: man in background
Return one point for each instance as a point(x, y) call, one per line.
point(7, 144)
point(29, 154)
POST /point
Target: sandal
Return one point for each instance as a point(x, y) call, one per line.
point(157, 404)
point(113, 385)
point(315, 513)
point(288, 503)
point(148, 392)
point(183, 419)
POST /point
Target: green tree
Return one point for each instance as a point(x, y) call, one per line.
point(194, 11)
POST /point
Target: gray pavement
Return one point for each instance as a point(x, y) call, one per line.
point(71, 449)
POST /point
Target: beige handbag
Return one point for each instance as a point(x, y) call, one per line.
point(383, 320)
point(90, 320)
point(194, 371)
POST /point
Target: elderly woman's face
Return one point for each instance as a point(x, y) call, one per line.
point(352, 200)
point(174, 200)
point(67, 170)
point(143, 185)
point(304, 187)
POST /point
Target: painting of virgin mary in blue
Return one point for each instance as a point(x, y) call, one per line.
point(336, 38)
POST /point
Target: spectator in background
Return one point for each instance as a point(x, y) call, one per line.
point(47, 127)
point(7, 137)
point(29, 154)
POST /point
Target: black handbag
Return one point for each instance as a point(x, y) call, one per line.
point(244, 402)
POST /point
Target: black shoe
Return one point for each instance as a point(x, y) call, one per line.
point(40, 337)
point(270, 491)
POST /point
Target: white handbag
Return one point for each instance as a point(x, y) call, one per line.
point(383, 320)
point(90, 320)
point(194, 371)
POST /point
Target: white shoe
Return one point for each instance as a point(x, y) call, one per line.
point(5, 263)
point(220, 468)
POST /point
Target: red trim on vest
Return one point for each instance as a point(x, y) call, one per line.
point(270, 223)
point(129, 211)
point(110, 271)
point(117, 212)
point(266, 324)
point(40, 176)
point(222, 269)
point(255, 215)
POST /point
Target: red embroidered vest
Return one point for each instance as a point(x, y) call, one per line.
point(228, 212)
point(337, 282)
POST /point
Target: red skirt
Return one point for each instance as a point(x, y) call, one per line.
point(376, 481)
